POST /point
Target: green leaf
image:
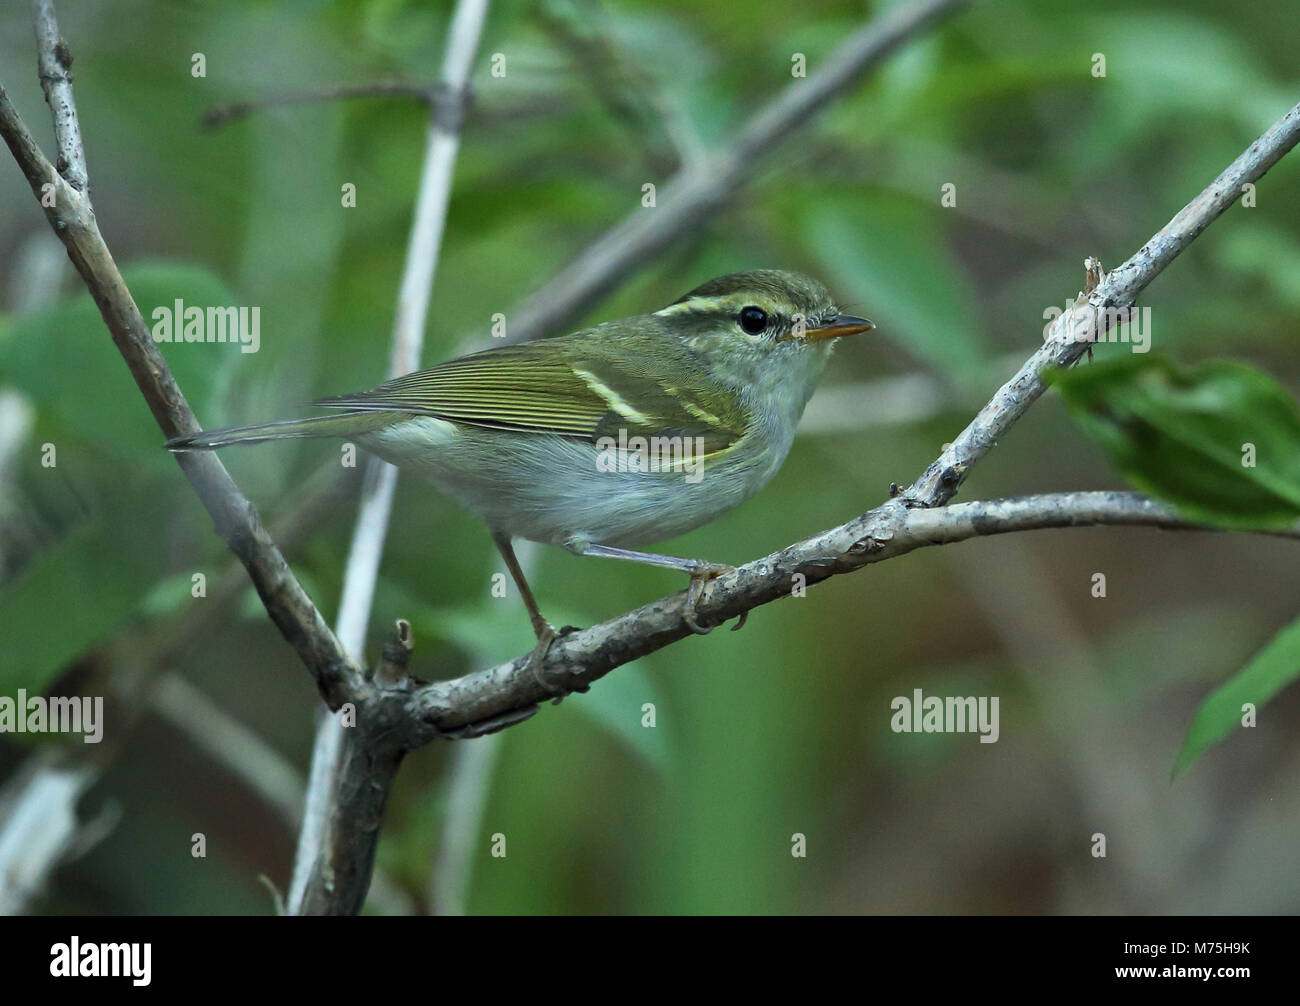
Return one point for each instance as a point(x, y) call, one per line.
point(615, 702)
point(166, 597)
point(1155, 66)
point(1189, 436)
point(64, 360)
point(1272, 669)
point(79, 591)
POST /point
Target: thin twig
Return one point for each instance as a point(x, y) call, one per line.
point(54, 63)
point(469, 781)
point(220, 115)
point(630, 94)
point(687, 201)
point(396, 658)
point(325, 842)
point(1117, 291)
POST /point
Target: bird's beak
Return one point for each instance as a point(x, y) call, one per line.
point(837, 327)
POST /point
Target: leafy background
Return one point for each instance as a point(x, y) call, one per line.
point(779, 729)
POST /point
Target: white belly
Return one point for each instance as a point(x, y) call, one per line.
point(553, 489)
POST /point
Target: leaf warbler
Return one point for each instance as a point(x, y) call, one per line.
point(630, 432)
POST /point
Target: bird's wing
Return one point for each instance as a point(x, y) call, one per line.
point(583, 392)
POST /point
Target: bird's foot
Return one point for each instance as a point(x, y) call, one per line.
point(546, 635)
point(702, 573)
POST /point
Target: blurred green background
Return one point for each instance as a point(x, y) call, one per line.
point(782, 728)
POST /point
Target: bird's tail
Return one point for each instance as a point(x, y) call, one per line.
point(349, 424)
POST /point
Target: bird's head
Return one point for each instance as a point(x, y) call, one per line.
point(768, 328)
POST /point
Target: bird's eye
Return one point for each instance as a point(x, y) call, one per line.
point(752, 319)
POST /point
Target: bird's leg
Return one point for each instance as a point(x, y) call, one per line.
point(698, 570)
point(542, 629)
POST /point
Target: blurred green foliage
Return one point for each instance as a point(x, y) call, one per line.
point(1240, 699)
point(1218, 441)
point(783, 728)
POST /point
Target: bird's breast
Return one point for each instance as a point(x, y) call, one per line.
point(633, 491)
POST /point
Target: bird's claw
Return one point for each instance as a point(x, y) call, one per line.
point(703, 573)
point(546, 635)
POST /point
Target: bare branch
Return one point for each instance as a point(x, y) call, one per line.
point(892, 529)
point(54, 61)
point(31, 160)
point(1120, 289)
point(396, 657)
point(413, 305)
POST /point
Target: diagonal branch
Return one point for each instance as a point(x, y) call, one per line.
point(234, 516)
point(494, 697)
point(1066, 341)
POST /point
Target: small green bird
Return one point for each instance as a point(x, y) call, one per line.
point(630, 432)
